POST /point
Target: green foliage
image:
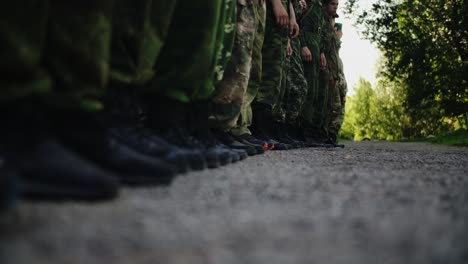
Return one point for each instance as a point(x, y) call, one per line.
point(425, 45)
point(379, 113)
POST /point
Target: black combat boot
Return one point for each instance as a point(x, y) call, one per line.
point(8, 186)
point(124, 117)
point(198, 121)
point(174, 121)
point(292, 133)
point(247, 139)
point(263, 127)
point(282, 136)
point(315, 138)
point(333, 141)
point(88, 136)
point(231, 142)
point(46, 169)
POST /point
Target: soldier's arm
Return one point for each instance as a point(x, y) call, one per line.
point(281, 15)
point(293, 26)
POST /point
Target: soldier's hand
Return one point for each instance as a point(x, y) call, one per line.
point(306, 54)
point(293, 28)
point(281, 15)
point(290, 50)
point(323, 61)
point(339, 34)
point(303, 4)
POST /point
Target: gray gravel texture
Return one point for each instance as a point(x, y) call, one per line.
point(372, 202)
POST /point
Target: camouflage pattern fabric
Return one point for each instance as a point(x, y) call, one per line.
point(245, 119)
point(225, 38)
point(331, 74)
point(229, 92)
point(186, 63)
point(139, 31)
point(337, 103)
point(314, 108)
point(57, 49)
point(274, 51)
point(296, 84)
point(23, 28)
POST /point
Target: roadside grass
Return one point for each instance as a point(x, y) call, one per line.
point(454, 138)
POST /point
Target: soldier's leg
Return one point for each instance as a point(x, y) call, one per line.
point(22, 35)
point(46, 168)
point(334, 112)
point(178, 95)
point(245, 119)
point(313, 109)
point(295, 98)
point(139, 31)
point(185, 66)
point(273, 60)
point(77, 52)
point(271, 86)
point(225, 38)
point(229, 92)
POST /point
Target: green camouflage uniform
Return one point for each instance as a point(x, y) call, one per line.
point(225, 38)
point(271, 89)
point(229, 92)
point(336, 101)
point(245, 118)
point(56, 49)
point(313, 111)
point(185, 66)
point(296, 84)
point(333, 98)
point(161, 46)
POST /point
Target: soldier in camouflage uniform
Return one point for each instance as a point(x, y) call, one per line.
point(54, 69)
point(267, 109)
point(313, 112)
point(185, 62)
point(338, 95)
point(296, 84)
point(331, 53)
point(273, 60)
point(230, 90)
point(242, 128)
point(225, 38)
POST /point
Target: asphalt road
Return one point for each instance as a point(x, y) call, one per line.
point(372, 202)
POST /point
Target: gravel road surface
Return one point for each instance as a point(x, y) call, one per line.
point(371, 202)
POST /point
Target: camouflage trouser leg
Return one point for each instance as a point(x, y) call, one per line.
point(229, 92)
point(296, 86)
point(274, 58)
point(279, 108)
point(185, 66)
point(314, 108)
point(22, 35)
point(139, 31)
point(335, 110)
point(225, 38)
point(245, 118)
point(75, 52)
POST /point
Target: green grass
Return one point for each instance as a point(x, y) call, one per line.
point(454, 138)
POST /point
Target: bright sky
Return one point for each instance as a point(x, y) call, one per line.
point(359, 55)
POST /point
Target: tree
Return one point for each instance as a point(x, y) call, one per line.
point(425, 43)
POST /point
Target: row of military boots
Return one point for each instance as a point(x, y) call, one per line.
point(47, 155)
